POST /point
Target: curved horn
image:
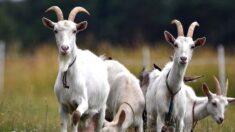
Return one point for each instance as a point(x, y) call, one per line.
point(191, 79)
point(58, 12)
point(191, 29)
point(75, 11)
point(179, 26)
point(226, 89)
point(217, 86)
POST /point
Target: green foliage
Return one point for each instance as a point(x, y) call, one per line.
point(118, 21)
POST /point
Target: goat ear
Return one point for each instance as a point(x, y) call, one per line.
point(48, 23)
point(206, 91)
point(122, 118)
point(82, 26)
point(169, 38)
point(200, 41)
point(231, 100)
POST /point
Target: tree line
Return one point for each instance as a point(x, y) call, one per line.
point(118, 21)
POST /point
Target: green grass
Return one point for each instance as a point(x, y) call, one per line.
point(28, 102)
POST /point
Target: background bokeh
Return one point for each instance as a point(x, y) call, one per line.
point(120, 22)
point(116, 28)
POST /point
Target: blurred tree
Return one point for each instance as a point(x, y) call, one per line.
point(120, 22)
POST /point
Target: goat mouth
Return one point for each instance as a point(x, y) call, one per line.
point(183, 62)
point(219, 122)
point(64, 53)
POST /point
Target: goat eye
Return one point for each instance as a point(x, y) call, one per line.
point(193, 46)
point(55, 31)
point(176, 45)
point(74, 31)
point(214, 104)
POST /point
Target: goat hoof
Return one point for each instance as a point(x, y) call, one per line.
point(76, 117)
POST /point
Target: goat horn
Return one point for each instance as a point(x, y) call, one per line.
point(217, 86)
point(191, 79)
point(75, 11)
point(58, 12)
point(179, 26)
point(226, 88)
point(191, 29)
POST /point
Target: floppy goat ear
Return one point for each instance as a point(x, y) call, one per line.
point(48, 23)
point(231, 100)
point(82, 26)
point(200, 41)
point(206, 91)
point(169, 38)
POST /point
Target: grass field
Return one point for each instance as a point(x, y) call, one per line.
point(28, 102)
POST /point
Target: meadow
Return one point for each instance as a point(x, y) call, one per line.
point(28, 103)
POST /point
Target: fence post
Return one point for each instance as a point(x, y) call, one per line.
point(146, 56)
point(221, 65)
point(2, 64)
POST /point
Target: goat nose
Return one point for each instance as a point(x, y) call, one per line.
point(183, 58)
point(221, 119)
point(64, 47)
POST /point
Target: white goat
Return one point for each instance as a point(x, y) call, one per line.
point(148, 76)
point(165, 97)
point(81, 88)
point(125, 104)
point(199, 108)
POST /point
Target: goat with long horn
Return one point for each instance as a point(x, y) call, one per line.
point(169, 87)
point(80, 88)
point(213, 104)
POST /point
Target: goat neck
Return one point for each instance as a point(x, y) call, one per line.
point(176, 76)
point(200, 110)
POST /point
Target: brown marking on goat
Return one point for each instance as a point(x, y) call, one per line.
point(76, 117)
point(66, 24)
point(167, 129)
point(91, 125)
point(144, 78)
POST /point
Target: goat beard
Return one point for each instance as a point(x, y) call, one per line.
point(63, 64)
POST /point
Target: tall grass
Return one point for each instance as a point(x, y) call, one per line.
point(28, 102)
